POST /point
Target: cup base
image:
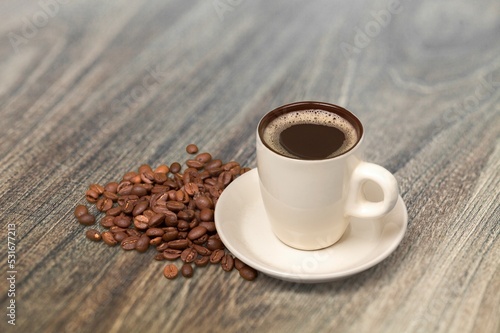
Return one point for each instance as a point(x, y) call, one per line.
point(311, 245)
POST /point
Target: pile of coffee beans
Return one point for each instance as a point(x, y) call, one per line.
point(169, 209)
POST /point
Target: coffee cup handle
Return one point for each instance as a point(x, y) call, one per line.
point(357, 205)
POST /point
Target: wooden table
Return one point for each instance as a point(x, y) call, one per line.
point(92, 89)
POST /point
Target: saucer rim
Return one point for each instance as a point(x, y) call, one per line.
point(321, 277)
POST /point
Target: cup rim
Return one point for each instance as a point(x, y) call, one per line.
point(308, 105)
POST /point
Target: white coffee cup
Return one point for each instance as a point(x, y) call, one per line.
point(309, 202)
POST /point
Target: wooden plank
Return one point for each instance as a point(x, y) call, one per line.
point(96, 89)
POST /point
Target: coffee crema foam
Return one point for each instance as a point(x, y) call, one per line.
point(271, 134)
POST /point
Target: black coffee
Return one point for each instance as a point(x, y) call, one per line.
point(310, 134)
point(312, 141)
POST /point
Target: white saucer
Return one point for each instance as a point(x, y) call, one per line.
point(243, 227)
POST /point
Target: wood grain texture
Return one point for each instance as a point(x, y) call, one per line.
point(92, 89)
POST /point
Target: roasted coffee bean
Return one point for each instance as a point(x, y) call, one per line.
point(215, 172)
point(183, 235)
point(235, 171)
point(160, 177)
point(248, 273)
point(213, 164)
point(168, 229)
point(196, 212)
point(201, 240)
point(186, 178)
point(195, 178)
point(191, 189)
point(110, 195)
point(194, 164)
point(122, 199)
point(162, 247)
point(245, 170)
point(155, 241)
point(203, 201)
point(119, 236)
point(204, 175)
point(203, 157)
point(111, 187)
point(129, 175)
point(183, 215)
point(128, 207)
point(91, 196)
point(141, 222)
point(148, 213)
point(86, 219)
point(129, 243)
point(238, 264)
point(170, 271)
point(115, 211)
point(181, 196)
point(193, 224)
point(175, 206)
point(216, 256)
point(197, 232)
point(162, 169)
point(178, 180)
point(187, 214)
point(139, 190)
point(224, 179)
point(201, 250)
point(189, 254)
point(81, 210)
point(159, 189)
point(103, 204)
point(227, 262)
point(170, 183)
point(133, 232)
point(93, 235)
point(124, 188)
point(191, 148)
point(187, 270)
point(160, 209)
point(97, 188)
point(191, 204)
point(115, 229)
point(108, 238)
point(170, 195)
point(142, 244)
point(159, 257)
point(206, 214)
point(170, 235)
point(144, 167)
point(148, 176)
point(123, 221)
point(202, 261)
point(171, 254)
point(210, 226)
point(148, 188)
point(214, 244)
point(107, 221)
point(192, 213)
point(136, 180)
point(171, 219)
point(175, 167)
point(140, 207)
point(210, 182)
point(178, 244)
point(229, 165)
point(182, 225)
point(216, 191)
point(155, 232)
